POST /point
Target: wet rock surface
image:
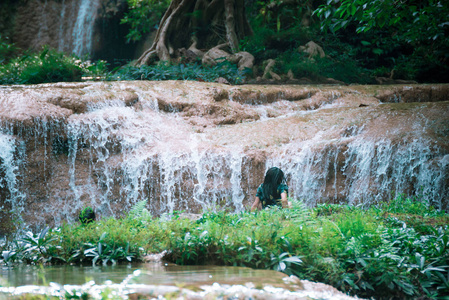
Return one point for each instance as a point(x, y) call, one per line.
point(192, 146)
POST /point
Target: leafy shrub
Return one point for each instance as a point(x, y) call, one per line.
point(268, 43)
point(415, 205)
point(46, 66)
point(389, 33)
point(300, 65)
point(35, 248)
point(87, 215)
point(343, 68)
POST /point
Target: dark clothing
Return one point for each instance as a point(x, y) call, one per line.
point(276, 200)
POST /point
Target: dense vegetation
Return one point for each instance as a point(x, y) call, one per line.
point(364, 42)
point(408, 38)
point(396, 249)
point(49, 65)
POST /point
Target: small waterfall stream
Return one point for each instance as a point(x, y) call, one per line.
point(84, 25)
point(66, 25)
point(10, 163)
point(117, 153)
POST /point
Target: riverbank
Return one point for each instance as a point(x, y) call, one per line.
point(395, 249)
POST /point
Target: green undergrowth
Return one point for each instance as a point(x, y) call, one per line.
point(47, 65)
point(193, 71)
point(397, 249)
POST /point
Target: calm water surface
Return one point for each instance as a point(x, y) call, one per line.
point(159, 281)
point(149, 273)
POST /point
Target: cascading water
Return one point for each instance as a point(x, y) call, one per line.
point(111, 145)
point(365, 171)
point(10, 162)
point(66, 25)
point(126, 153)
point(84, 25)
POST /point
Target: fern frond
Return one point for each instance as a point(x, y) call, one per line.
point(138, 210)
point(298, 212)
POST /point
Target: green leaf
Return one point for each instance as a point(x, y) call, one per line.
point(103, 236)
point(293, 259)
point(353, 9)
point(362, 262)
point(44, 53)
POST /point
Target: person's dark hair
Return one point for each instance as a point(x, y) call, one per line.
point(273, 178)
point(87, 215)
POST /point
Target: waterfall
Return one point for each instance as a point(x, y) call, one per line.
point(178, 178)
point(10, 162)
point(66, 25)
point(365, 171)
point(110, 145)
point(84, 25)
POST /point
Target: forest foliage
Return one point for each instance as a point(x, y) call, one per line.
point(411, 37)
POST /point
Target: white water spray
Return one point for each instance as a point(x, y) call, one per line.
point(10, 163)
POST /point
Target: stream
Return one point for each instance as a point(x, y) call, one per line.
point(160, 281)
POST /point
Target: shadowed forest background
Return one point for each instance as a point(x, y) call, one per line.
point(292, 41)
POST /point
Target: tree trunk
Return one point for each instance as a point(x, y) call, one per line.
point(201, 24)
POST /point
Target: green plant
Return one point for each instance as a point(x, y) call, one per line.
point(369, 15)
point(87, 215)
point(285, 263)
point(40, 247)
point(7, 50)
point(410, 205)
point(105, 254)
point(48, 65)
point(8, 256)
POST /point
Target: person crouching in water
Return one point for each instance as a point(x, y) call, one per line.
point(273, 190)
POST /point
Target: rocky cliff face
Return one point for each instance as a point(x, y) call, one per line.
point(193, 146)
